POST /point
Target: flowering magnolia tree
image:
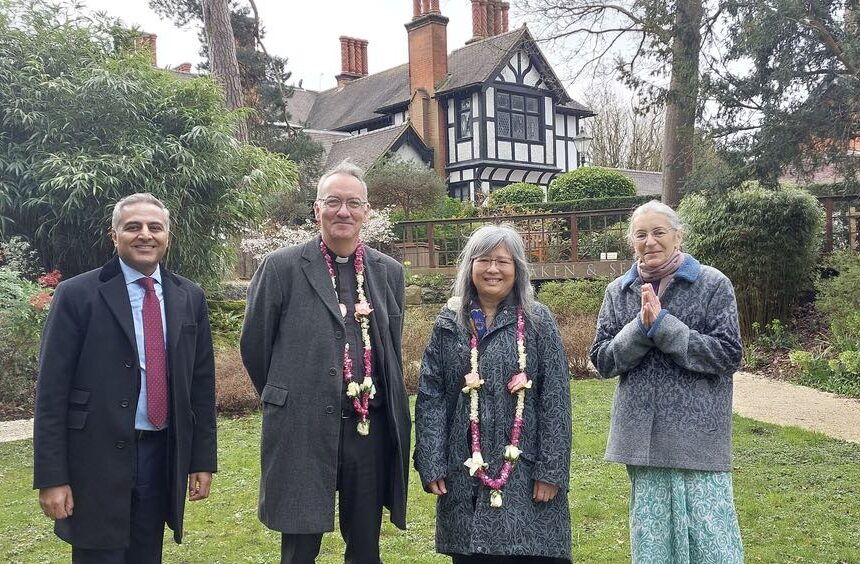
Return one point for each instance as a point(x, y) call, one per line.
point(272, 236)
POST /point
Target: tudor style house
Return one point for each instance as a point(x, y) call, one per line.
point(485, 115)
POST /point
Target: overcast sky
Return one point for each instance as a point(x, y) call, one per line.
point(306, 32)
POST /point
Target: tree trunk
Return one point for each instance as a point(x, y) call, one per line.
point(682, 100)
point(222, 57)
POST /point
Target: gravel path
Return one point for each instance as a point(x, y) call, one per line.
point(782, 403)
point(756, 397)
point(16, 430)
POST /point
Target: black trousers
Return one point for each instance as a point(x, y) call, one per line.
point(362, 476)
point(149, 499)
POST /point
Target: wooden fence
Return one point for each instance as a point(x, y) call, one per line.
point(581, 244)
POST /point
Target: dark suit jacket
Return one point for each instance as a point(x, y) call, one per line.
point(87, 392)
point(292, 345)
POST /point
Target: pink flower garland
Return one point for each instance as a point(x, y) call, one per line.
point(517, 385)
point(360, 394)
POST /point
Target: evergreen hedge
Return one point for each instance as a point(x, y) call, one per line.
point(590, 182)
point(766, 241)
point(517, 193)
point(588, 204)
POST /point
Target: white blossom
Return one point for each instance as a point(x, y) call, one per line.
point(271, 236)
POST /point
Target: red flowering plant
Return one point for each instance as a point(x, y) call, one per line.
point(24, 306)
point(41, 299)
point(51, 279)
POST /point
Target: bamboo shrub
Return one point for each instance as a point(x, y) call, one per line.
point(766, 241)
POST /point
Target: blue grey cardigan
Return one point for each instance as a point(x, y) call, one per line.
point(673, 404)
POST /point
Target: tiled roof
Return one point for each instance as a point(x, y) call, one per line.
point(647, 182)
point(476, 62)
point(582, 108)
point(358, 101)
point(363, 150)
point(326, 138)
point(299, 105)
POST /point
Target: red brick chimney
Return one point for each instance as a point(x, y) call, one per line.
point(489, 18)
point(353, 59)
point(147, 41)
point(428, 67)
point(184, 68)
point(505, 7)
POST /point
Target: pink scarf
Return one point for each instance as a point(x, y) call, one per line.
point(662, 273)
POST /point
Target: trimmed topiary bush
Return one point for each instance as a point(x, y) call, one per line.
point(516, 194)
point(766, 241)
point(590, 182)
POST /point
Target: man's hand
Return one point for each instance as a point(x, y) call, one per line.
point(437, 487)
point(544, 492)
point(198, 485)
point(57, 502)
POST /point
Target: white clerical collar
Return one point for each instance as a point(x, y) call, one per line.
point(341, 260)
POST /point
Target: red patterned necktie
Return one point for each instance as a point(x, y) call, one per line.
point(156, 366)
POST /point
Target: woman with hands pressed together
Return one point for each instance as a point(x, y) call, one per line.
point(669, 330)
point(492, 417)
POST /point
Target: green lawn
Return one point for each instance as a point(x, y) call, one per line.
point(798, 497)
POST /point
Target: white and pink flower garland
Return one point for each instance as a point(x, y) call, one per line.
point(518, 385)
point(360, 394)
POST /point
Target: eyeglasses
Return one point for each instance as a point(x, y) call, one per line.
point(485, 262)
point(333, 203)
point(658, 234)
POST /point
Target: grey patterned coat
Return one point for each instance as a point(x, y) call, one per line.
point(673, 404)
point(465, 522)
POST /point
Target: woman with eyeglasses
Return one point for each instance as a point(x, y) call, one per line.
point(492, 417)
point(669, 330)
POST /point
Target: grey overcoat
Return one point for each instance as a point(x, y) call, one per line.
point(521, 526)
point(673, 404)
point(292, 346)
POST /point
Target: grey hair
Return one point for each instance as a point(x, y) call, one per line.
point(138, 198)
point(480, 244)
point(344, 167)
point(655, 206)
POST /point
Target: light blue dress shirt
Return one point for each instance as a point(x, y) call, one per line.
point(136, 292)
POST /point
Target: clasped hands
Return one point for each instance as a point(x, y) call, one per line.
point(650, 306)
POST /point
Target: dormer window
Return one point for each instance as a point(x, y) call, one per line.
point(464, 117)
point(518, 117)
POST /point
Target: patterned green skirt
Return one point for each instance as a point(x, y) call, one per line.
point(683, 517)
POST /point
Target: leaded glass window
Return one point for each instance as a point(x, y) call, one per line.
point(518, 116)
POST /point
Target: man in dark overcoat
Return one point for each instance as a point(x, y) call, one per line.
point(125, 405)
point(305, 304)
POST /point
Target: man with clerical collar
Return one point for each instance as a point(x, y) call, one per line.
point(125, 402)
point(321, 343)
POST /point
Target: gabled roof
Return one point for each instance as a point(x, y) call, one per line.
point(361, 101)
point(365, 149)
point(480, 61)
